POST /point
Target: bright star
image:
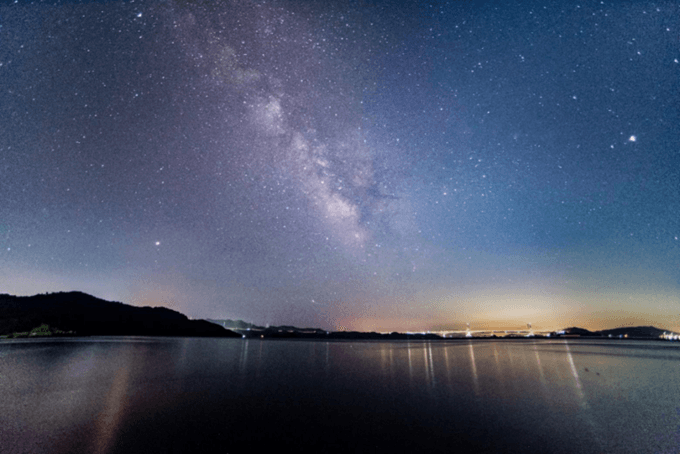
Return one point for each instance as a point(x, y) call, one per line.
point(632, 139)
point(158, 243)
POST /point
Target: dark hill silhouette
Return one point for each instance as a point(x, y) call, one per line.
point(631, 332)
point(87, 315)
point(634, 331)
point(574, 330)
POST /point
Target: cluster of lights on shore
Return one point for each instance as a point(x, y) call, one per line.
point(529, 332)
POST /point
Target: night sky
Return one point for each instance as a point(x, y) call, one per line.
point(346, 165)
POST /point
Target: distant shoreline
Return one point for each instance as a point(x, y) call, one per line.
point(4, 339)
point(77, 314)
point(251, 331)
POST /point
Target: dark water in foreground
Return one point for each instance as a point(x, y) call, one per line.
point(126, 395)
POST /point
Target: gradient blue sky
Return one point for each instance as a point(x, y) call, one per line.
point(362, 165)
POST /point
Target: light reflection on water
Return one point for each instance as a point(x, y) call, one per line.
point(131, 395)
point(577, 380)
point(475, 378)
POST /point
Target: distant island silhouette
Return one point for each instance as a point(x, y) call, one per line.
point(628, 332)
point(80, 314)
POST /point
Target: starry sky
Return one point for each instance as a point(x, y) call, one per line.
point(366, 165)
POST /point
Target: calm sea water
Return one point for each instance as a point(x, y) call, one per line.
point(122, 395)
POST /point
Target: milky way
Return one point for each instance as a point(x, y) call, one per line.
point(366, 165)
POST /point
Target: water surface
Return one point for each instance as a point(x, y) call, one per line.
point(121, 395)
